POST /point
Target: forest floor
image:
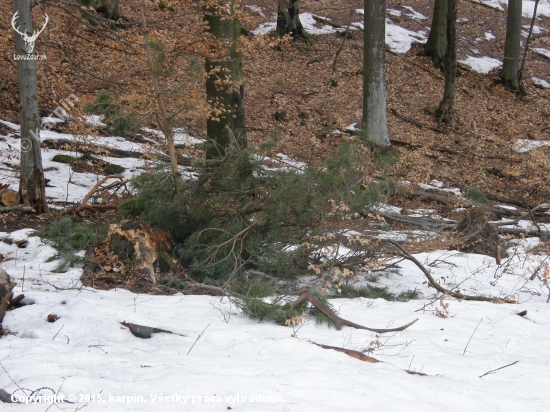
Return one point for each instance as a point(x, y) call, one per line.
point(296, 99)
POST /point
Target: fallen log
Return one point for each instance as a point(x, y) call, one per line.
point(521, 231)
point(517, 219)
point(63, 143)
point(450, 201)
point(337, 320)
point(9, 197)
point(326, 21)
point(24, 209)
point(418, 221)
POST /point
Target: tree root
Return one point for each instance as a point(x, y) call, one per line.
point(337, 320)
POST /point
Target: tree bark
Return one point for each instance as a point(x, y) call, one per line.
point(31, 181)
point(224, 81)
point(288, 21)
point(510, 65)
point(445, 113)
point(374, 84)
point(107, 7)
point(437, 39)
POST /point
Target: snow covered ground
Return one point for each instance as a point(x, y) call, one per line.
point(89, 358)
point(226, 361)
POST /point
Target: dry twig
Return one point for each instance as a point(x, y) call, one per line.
point(198, 337)
point(97, 188)
point(497, 369)
point(463, 353)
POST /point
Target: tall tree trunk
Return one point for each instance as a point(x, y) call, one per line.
point(163, 118)
point(224, 81)
point(437, 39)
point(288, 21)
point(375, 124)
point(445, 113)
point(31, 180)
point(510, 65)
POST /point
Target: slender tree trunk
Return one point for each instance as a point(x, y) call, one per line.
point(445, 113)
point(31, 181)
point(510, 66)
point(224, 82)
point(437, 39)
point(527, 41)
point(288, 21)
point(374, 84)
point(164, 122)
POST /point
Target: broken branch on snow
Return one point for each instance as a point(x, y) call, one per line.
point(436, 285)
point(337, 320)
point(361, 356)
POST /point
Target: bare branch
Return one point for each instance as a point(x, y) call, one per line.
point(337, 320)
point(436, 285)
point(497, 369)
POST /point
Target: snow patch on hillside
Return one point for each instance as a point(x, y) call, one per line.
point(481, 65)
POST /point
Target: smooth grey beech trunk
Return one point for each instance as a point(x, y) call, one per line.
point(375, 124)
point(224, 81)
point(437, 39)
point(288, 21)
point(31, 179)
point(445, 113)
point(510, 65)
